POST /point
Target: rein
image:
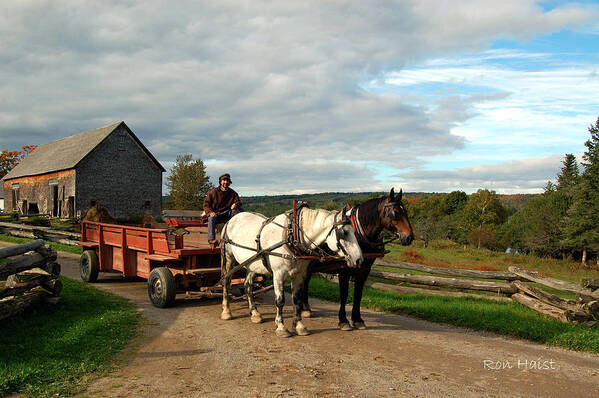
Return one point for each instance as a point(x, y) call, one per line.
point(292, 239)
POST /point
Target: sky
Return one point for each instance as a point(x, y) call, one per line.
point(314, 96)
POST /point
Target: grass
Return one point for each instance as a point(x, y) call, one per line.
point(52, 349)
point(508, 318)
point(451, 255)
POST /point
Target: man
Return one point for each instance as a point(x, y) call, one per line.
point(220, 205)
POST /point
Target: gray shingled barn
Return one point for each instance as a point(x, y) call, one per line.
point(107, 166)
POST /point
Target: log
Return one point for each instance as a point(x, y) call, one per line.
point(15, 305)
point(591, 308)
point(554, 283)
point(46, 230)
point(496, 287)
point(22, 263)
point(590, 283)
point(470, 273)
point(549, 310)
point(20, 249)
point(14, 288)
point(546, 297)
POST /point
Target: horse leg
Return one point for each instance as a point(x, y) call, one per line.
point(307, 311)
point(343, 291)
point(225, 261)
point(255, 316)
point(297, 291)
point(278, 283)
point(356, 317)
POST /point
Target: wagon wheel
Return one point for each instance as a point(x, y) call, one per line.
point(89, 266)
point(162, 287)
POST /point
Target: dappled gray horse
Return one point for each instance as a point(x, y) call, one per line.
point(264, 246)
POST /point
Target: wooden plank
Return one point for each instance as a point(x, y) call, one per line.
point(496, 287)
point(549, 310)
point(20, 249)
point(24, 263)
point(469, 273)
point(552, 282)
point(546, 297)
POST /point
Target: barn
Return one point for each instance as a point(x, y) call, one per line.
point(108, 166)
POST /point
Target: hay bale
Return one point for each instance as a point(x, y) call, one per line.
point(98, 214)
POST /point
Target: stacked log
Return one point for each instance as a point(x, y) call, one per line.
point(584, 309)
point(37, 232)
point(31, 274)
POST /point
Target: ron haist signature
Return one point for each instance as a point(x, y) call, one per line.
point(521, 364)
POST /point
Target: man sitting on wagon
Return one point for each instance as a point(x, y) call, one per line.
point(220, 205)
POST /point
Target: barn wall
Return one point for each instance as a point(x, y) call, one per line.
point(39, 190)
point(120, 176)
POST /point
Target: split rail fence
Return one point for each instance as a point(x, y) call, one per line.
point(515, 285)
point(28, 275)
point(37, 232)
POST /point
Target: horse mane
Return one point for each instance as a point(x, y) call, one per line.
point(369, 216)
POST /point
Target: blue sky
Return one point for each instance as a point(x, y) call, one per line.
point(311, 96)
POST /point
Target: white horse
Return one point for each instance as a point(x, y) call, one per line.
point(247, 233)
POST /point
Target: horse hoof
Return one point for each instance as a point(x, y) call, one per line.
point(345, 326)
point(302, 331)
point(359, 325)
point(225, 316)
point(306, 314)
point(283, 333)
point(256, 319)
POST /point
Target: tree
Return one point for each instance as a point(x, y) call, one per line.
point(483, 208)
point(455, 201)
point(188, 183)
point(582, 227)
point(9, 159)
point(569, 174)
point(429, 218)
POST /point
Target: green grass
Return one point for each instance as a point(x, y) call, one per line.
point(54, 245)
point(508, 318)
point(452, 255)
point(51, 350)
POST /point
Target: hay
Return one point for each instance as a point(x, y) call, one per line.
point(98, 214)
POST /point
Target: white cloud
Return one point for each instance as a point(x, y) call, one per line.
point(255, 85)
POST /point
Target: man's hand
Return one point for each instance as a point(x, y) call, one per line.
point(233, 206)
point(212, 214)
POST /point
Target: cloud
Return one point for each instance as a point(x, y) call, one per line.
point(519, 176)
point(251, 85)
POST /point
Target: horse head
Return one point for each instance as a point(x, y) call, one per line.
point(343, 242)
point(394, 217)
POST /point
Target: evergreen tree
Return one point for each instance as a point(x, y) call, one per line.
point(188, 183)
point(582, 228)
point(569, 174)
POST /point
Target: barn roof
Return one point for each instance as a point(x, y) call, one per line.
point(66, 153)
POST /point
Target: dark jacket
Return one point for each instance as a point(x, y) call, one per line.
point(218, 200)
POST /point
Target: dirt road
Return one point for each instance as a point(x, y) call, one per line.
point(187, 351)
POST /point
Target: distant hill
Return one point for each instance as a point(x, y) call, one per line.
point(271, 205)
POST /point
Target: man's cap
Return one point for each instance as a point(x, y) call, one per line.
point(225, 176)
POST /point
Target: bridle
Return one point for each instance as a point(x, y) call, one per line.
point(339, 234)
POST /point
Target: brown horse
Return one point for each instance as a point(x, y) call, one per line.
point(369, 219)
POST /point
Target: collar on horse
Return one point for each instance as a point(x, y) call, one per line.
point(292, 238)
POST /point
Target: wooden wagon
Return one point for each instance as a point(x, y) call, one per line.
point(174, 260)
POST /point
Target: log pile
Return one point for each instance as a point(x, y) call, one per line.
point(517, 286)
point(37, 232)
point(28, 275)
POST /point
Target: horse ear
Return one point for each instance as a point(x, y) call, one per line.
point(392, 195)
point(400, 193)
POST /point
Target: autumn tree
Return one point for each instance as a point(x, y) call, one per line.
point(188, 183)
point(429, 217)
point(9, 159)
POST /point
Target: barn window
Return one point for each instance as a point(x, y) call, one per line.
point(121, 144)
point(93, 202)
point(147, 204)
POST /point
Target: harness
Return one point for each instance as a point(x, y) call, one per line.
point(379, 244)
point(293, 237)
